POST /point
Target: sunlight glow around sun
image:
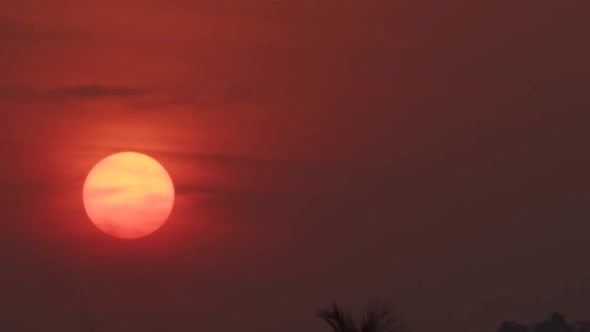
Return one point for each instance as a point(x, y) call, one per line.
point(128, 195)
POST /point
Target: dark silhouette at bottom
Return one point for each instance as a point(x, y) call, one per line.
point(377, 317)
point(382, 317)
point(555, 322)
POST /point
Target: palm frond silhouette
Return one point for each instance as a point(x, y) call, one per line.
point(378, 317)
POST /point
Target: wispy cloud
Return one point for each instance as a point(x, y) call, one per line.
point(142, 97)
point(242, 175)
point(199, 97)
point(71, 93)
point(96, 91)
point(14, 31)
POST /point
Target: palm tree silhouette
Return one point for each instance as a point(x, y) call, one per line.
point(378, 317)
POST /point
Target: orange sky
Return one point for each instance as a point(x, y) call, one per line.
point(320, 150)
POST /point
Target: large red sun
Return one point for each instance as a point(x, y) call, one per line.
point(128, 195)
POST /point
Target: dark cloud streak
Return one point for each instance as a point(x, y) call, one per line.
point(13, 31)
point(96, 91)
point(70, 93)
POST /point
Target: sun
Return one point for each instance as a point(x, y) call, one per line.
point(128, 195)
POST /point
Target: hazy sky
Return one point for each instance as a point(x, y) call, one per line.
point(430, 152)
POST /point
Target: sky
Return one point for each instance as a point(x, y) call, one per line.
point(432, 153)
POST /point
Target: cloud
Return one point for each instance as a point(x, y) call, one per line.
point(70, 93)
point(200, 97)
point(13, 31)
point(231, 175)
point(141, 97)
point(102, 192)
point(96, 91)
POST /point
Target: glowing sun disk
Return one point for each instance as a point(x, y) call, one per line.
point(128, 195)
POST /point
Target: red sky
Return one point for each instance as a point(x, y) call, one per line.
point(430, 152)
